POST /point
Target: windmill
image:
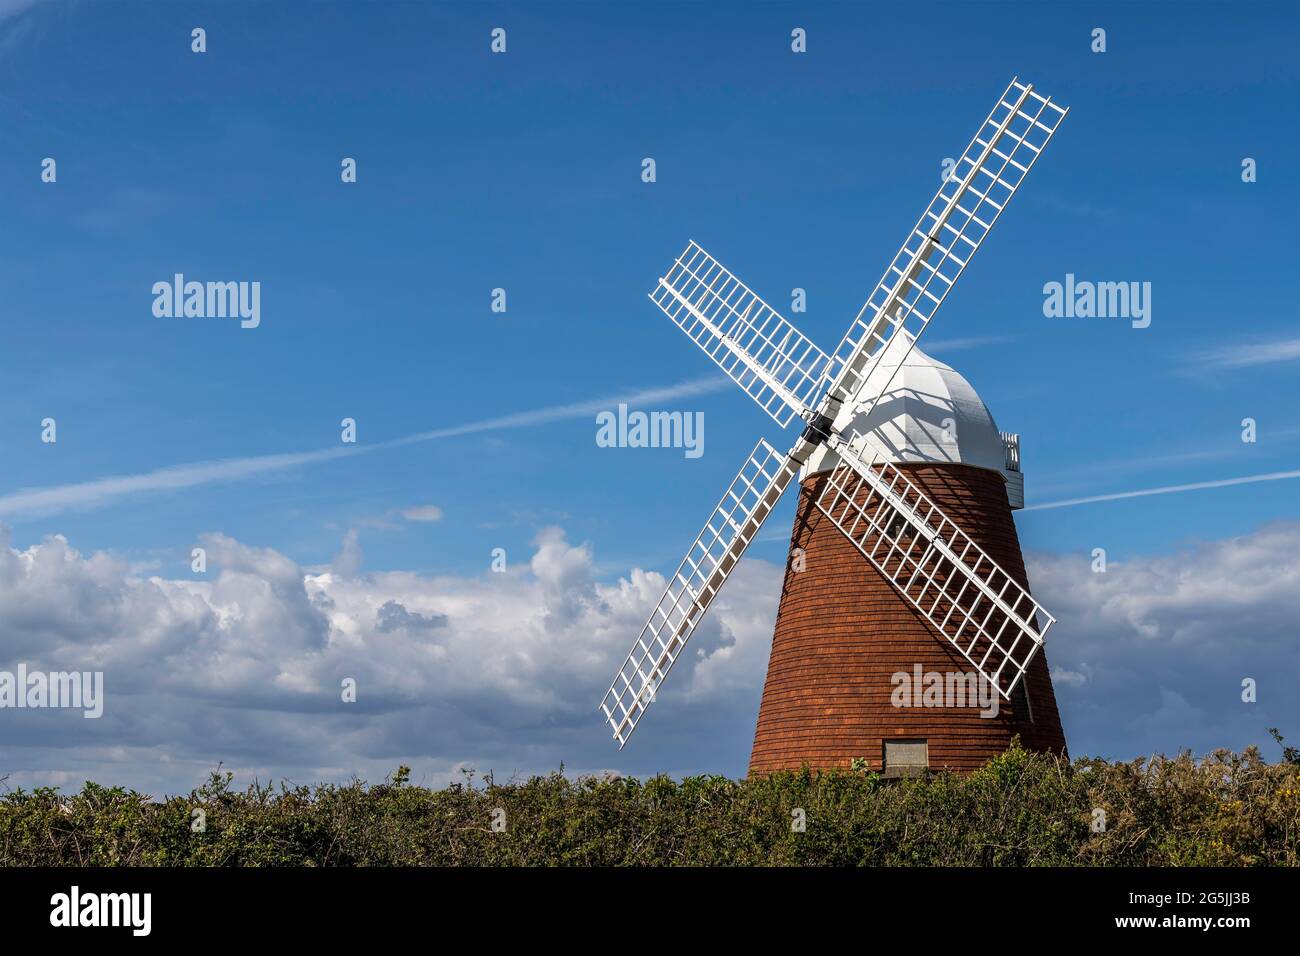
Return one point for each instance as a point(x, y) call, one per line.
point(951, 588)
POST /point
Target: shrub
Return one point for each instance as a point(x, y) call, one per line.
point(1021, 809)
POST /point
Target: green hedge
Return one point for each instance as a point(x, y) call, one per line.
point(1021, 809)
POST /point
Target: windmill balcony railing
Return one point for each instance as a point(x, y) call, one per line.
point(1011, 442)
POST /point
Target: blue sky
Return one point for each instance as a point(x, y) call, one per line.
point(522, 171)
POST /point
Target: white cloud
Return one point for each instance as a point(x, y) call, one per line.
point(348, 561)
point(499, 670)
point(1176, 634)
point(504, 671)
point(1063, 675)
point(422, 513)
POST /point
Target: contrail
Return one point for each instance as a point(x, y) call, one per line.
point(960, 345)
point(1247, 356)
point(102, 491)
point(541, 416)
point(1167, 490)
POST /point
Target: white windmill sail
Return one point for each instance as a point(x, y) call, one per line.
point(776, 365)
point(715, 552)
point(947, 235)
point(971, 600)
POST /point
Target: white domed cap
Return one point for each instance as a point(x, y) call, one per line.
point(928, 413)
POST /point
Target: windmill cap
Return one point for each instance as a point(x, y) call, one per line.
point(928, 412)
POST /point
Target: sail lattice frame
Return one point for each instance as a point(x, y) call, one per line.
point(713, 555)
point(966, 596)
point(776, 364)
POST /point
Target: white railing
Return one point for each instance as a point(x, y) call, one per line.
point(1011, 442)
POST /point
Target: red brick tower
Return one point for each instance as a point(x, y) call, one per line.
point(856, 672)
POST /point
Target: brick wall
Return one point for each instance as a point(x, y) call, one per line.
point(842, 631)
